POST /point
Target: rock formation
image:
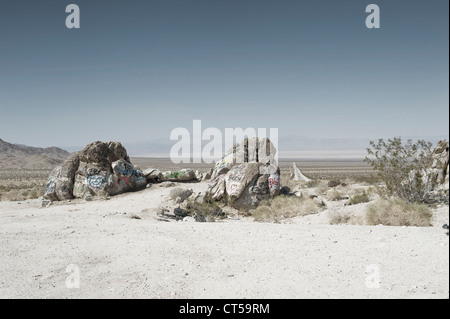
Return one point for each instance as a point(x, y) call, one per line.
point(441, 162)
point(99, 170)
point(440, 172)
point(253, 150)
point(247, 174)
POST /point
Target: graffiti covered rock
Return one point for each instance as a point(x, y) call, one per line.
point(100, 169)
point(243, 187)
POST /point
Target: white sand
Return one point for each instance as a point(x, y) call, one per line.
point(121, 257)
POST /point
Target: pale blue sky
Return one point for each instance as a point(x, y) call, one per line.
point(135, 70)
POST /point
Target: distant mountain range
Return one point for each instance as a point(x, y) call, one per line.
point(26, 157)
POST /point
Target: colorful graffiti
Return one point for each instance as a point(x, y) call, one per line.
point(138, 173)
point(95, 181)
point(174, 175)
point(124, 182)
point(123, 169)
point(50, 186)
point(274, 181)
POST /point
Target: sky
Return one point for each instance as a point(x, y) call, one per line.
point(135, 70)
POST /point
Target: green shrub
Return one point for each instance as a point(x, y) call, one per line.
point(359, 198)
point(402, 168)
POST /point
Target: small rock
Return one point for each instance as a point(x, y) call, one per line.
point(46, 203)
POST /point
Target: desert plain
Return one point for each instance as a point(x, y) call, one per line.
point(124, 247)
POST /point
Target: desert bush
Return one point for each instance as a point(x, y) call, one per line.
point(402, 168)
point(343, 217)
point(334, 195)
point(204, 211)
point(322, 188)
point(338, 218)
point(286, 180)
point(312, 183)
point(282, 207)
point(359, 198)
point(398, 212)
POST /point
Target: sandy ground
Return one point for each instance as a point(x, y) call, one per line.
point(116, 256)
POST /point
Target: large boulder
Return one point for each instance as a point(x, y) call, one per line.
point(100, 169)
point(246, 174)
point(243, 186)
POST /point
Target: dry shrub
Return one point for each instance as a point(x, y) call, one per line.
point(398, 212)
point(334, 195)
point(322, 188)
point(312, 183)
point(286, 180)
point(338, 218)
point(341, 217)
point(282, 207)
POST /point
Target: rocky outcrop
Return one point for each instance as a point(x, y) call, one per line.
point(243, 187)
point(99, 170)
point(440, 173)
point(441, 162)
point(247, 174)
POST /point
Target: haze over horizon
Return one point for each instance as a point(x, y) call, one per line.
point(136, 70)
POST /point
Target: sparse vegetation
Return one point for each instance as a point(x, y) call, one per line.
point(204, 211)
point(312, 183)
point(21, 192)
point(345, 217)
point(402, 168)
point(282, 207)
point(334, 195)
point(359, 198)
point(338, 218)
point(398, 212)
